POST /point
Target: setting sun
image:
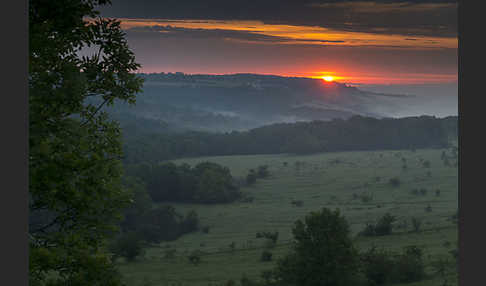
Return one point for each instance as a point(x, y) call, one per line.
point(328, 78)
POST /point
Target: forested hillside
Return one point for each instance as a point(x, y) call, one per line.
point(356, 133)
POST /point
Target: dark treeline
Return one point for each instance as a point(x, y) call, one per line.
point(356, 133)
point(204, 183)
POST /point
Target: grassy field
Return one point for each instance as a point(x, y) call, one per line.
point(332, 180)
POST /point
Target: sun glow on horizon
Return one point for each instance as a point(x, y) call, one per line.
point(328, 78)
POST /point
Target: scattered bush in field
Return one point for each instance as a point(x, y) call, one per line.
point(377, 179)
point(205, 229)
point(395, 182)
point(170, 253)
point(447, 244)
point(383, 226)
point(251, 177)
point(232, 246)
point(263, 171)
point(297, 203)
point(366, 197)
point(404, 160)
point(426, 164)
point(272, 236)
point(127, 245)
point(410, 266)
point(423, 191)
point(440, 266)
point(355, 196)
point(285, 164)
point(415, 191)
point(245, 281)
point(429, 174)
point(428, 208)
point(382, 267)
point(230, 283)
point(195, 257)
point(266, 256)
point(268, 277)
point(443, 155)
point(247, 199)
point(437, 192)
point(404, 167)
point(416, 224)
point(377, 266)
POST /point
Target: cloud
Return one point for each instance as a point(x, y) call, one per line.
point(169, 31)
point(412, 17)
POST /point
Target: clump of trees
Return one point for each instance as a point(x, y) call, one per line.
point(261, 173)
point(322, 252)
point(381, 267)
point(206, 182)
point(383, 226)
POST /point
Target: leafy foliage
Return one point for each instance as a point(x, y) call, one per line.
point(75, 195)
point(204, 183)
point(322, 253)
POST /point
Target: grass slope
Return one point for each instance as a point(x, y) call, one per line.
point(332, 180)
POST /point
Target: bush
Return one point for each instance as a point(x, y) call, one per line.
point(416, 224)
point(378, 266)
point(127, 245)
point(205, 229)
point(426, 164)
point(263, 171)
point(266, 256)
point(383, 226)
point(409, 265)
point(195, 257)
point(394, 182)
point(268, 235)
point(297, 203)
point(322, 251)
point(382, 267)
point(251, 177)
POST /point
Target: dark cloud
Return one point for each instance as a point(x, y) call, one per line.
point(169, 31)
point(412, 17)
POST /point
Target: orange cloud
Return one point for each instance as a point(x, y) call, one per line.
point(300, 35)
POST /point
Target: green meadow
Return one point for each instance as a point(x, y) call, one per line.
point(357, 183)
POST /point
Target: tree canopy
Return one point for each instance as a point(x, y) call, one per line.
point(75, 195)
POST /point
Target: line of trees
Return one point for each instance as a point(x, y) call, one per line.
point(206, 182)
point(356, 133)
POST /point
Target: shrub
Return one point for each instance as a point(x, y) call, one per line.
point(437, 192)
point(321, 242)
point(409, 265)
point(266, 256)
point(426, 164)
point(205, 229)
point(382, 267)
point(195, 257)
point(263, 171)
point(127, 245)
point(251, 177)
point(394, 182)
point(378, 266)
point(416, 224)
point(297, 203)
point(423, 191)
point(384, 225)
point(170, 253)
point(428, 208)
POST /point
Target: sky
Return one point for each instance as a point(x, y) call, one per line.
point(387, 43)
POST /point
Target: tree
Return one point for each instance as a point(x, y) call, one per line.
point(75, 195)
point(322, 252)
